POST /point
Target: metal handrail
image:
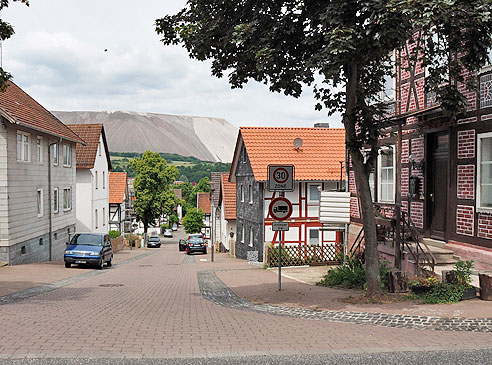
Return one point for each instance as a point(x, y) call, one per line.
point(428, 255)
point(357, 243)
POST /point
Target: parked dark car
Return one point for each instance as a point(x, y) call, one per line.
point(154, 241)
point(196, 244)
point(89, 249)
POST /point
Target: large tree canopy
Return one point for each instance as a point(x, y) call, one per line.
point(153, 196)
point(342, 48)
point(6, 31)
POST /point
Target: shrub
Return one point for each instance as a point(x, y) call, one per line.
point(426, 282)
point(463, 273)
point(352, 274)
point(443, 293)
point(114, 234)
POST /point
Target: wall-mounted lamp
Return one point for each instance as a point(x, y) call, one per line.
point(231, 234)
point(417, 165)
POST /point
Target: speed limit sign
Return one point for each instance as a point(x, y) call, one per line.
point(281, 177)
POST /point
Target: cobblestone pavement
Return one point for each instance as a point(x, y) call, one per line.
point(213, 289)
point(153, 308)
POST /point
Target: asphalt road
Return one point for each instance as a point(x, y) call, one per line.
point(474, 357)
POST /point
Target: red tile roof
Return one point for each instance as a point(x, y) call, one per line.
point(18, 107)
point(117, 187)
point(228, 196)
point(91, 134)
point(318, 159)
point(204, 202)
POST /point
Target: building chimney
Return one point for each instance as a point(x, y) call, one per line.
point(322, 125)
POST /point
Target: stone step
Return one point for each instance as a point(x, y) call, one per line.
point(443, 256)
point(3, 263)
point(434, 243)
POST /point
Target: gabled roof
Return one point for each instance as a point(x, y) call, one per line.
point(204, 202)
point(228, 196)
point(18, 107)
point(117, 187)
point(91, 134)
point(317, 160)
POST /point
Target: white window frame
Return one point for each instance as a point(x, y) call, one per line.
point(39, 149)
point(379, 171)
point(96, 177)
point(241, 188)
point(21, 154)
point(96, 219)
point(315, 201)
point(56, 154)
point(67, 204)
point(250, 192)
point(104, 180)
point(242, 234)
point(56, 200)
point(104, 216)
point(251, 235)
point(40, 203)
point(480, 137)
point(67, 158)
point(309, 235)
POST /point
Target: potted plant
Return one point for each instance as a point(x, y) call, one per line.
point(423, 285)
point(462, 273)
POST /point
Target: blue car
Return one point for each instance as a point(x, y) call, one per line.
point(89, 249)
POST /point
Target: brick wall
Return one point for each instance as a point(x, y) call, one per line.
point(417, 214)
point(466, 182)
point(466, 144)
point(418, 149)
point(354, 208)
point(404, 181)
point(404, 151)
point(464, 220)
point(485, 225)
point(352, 186)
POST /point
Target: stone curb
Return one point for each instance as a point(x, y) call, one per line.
point(41, 289)
point(214, 290)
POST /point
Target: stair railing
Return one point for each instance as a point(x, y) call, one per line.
point(421, 254)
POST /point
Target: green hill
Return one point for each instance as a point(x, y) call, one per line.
point(190, 168)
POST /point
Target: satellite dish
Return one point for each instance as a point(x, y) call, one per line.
point(298, 143)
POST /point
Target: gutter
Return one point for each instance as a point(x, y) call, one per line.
point(49, 197)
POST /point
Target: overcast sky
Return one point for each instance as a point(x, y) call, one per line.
point(57, 56)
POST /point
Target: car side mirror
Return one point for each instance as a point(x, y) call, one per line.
point(67, 243)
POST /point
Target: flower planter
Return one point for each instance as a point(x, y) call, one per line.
point(421, 289)
point(469, 293)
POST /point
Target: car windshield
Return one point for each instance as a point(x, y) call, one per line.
point(196, 239)
point(154, 239)
point(87, 240)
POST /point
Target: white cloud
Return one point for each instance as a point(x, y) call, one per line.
point(58, 56)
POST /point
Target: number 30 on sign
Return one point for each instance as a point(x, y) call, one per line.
point(281, 177)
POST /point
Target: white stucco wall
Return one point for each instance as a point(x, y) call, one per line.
point(91, 199)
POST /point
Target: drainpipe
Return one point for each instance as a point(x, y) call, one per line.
point(347, 188)
point(49, 196)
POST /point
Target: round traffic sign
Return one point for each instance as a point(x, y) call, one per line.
point(280, 175)
point(280, 209)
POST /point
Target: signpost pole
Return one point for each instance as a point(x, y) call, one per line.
point(280, 234)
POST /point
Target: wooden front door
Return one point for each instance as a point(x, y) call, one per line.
point(437, 184)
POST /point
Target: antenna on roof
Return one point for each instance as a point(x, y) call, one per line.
point(298, 144)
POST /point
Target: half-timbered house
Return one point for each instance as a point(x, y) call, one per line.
point(118, 201)
point(318, 164)
point(444, 181)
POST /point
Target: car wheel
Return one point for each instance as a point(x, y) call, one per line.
point(68, 265)
point(205, 252)
point(110, 262)
point(101, 264)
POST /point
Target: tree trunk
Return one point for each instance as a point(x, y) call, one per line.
point(367, 208)
point(146, 227)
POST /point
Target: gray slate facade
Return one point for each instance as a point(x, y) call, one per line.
point(249, 211)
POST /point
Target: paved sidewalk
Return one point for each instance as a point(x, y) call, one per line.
point(260, 287)
point(21, 277)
